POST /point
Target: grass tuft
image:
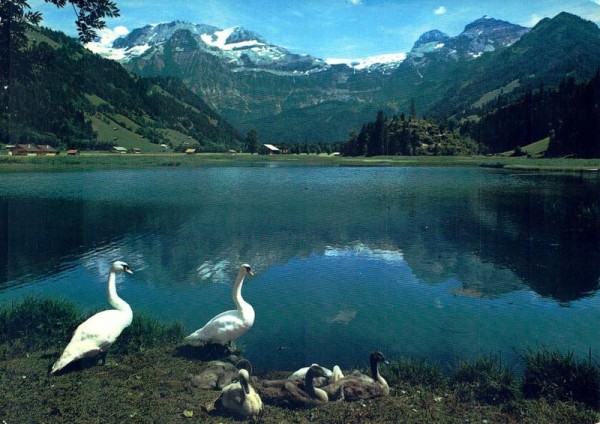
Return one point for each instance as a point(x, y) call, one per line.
point(35, 323)
point(415, 372)
point(557, 376)
point(485, 380)
point(145, 333)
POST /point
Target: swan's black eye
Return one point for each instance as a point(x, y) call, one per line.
point(248, 269)
point(125, 268)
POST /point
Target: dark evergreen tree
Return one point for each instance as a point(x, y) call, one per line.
point(377, 135)
point(251, 141)
point(413, 109)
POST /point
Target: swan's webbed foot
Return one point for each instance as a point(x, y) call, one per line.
point(102, 355)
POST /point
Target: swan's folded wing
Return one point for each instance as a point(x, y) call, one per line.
point(222, 328)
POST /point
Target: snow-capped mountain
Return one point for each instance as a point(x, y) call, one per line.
point(257, 85)
point(243, 49)
point(384, 63)
point(238, 47)
point(483, 35)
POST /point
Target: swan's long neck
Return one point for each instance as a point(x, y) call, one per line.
point(313, 391)
point(375, 373)
point(374, 370)
point(113, 297)
point(241, 304)
point(244, 383)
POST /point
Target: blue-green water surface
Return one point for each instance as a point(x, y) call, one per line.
point(440, 263)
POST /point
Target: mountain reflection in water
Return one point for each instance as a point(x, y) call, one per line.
point(443, 263)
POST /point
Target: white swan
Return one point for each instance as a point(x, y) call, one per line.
point(228, 325)
point(240, 398)
point(95, 335)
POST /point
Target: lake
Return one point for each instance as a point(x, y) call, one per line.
point(446, 263)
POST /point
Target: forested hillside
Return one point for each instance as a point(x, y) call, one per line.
point(63, 95)
point(569, 115)
point(407, 136)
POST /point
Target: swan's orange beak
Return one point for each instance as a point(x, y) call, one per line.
point(251, 273)
point(127, 270)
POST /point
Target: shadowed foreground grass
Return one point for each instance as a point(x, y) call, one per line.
point(147, 379)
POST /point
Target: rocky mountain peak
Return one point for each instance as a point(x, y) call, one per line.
point(482, 35)
point(431, 37)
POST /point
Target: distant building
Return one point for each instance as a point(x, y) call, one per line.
point(118, 149)
point(135, 150)
point(24, 150)
point(46, 150)
point(270, 149)
point(72, 152)
point(190, 151)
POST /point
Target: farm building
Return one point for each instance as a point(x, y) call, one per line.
point(33, 150)
point(270, 149)
point(46, 150)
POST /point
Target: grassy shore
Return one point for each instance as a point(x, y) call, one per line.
point(148, 378)
point(93, 161)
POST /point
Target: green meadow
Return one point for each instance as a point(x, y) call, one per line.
point(90, 161)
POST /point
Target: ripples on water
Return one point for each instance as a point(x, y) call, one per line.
point(442, 263)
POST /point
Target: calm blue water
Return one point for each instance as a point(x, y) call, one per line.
point(441, 263)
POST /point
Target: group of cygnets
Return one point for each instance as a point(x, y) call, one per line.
point(307, 387)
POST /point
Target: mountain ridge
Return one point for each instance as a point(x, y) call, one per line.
point(93, 103)
point(239, 38)
point(299, 98)
point(256, 85)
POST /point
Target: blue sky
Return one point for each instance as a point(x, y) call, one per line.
point(329, 28)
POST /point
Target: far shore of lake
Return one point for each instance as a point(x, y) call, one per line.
point(103, 161)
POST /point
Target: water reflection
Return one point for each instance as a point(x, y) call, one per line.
point(495, 233)
point(440, 263)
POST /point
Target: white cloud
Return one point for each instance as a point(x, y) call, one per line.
point(354, 1)
point(534, 19)
point(597, 2)
point(104, 46)
point(441, 10)
point(107, 36)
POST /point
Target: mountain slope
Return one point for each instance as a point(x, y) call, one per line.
point(483, 35)
point(257, 85)
point(80, 95)
point(236, 47)
point(564, 46)
point(286, 97)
